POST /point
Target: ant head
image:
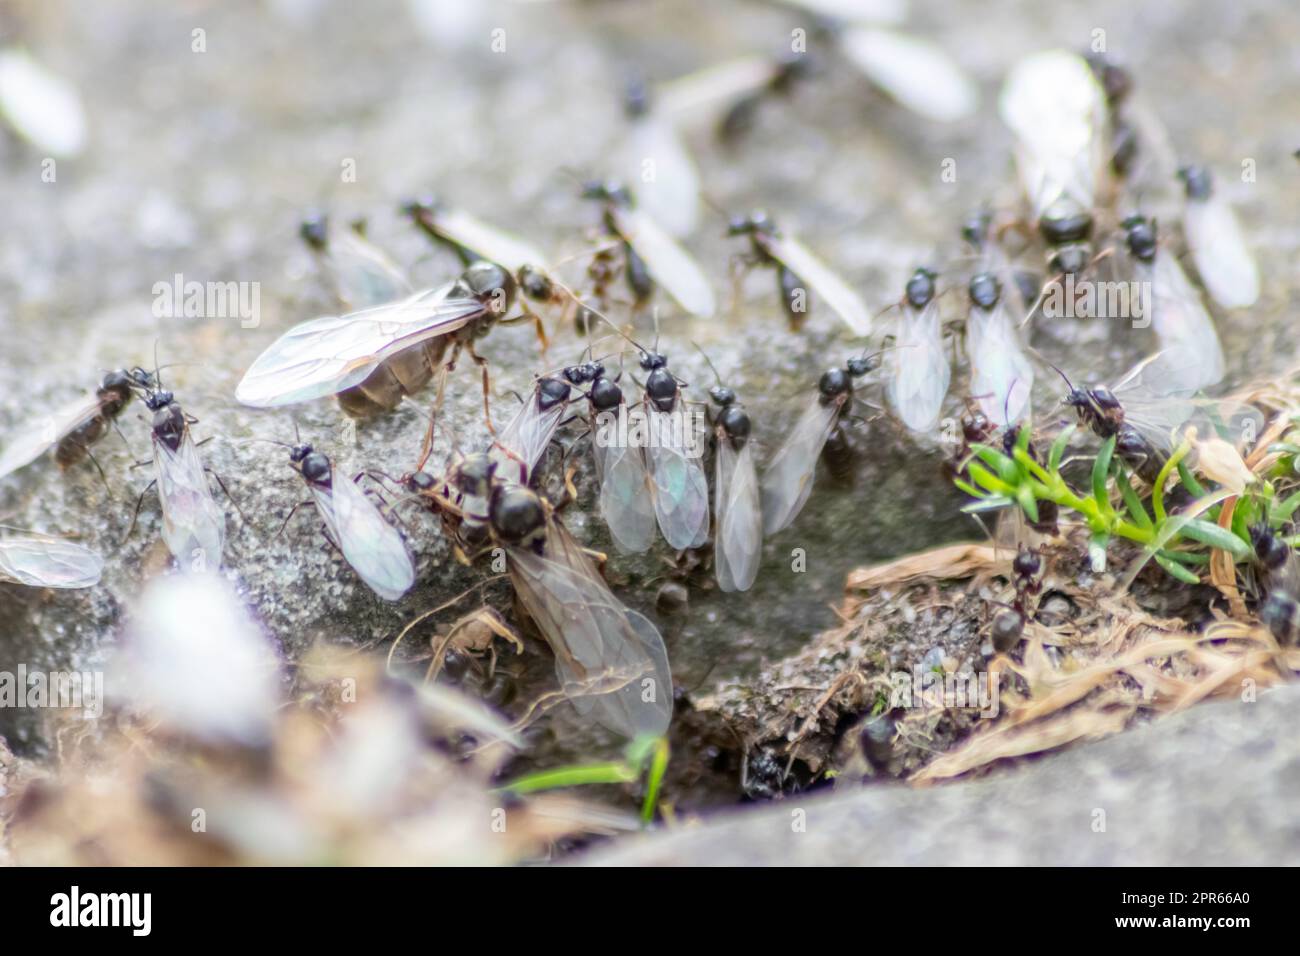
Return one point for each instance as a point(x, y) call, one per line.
point(536, 284)
point(636, 97)
point(1116, 81)
point(1141, 237)
point(609, 190)
point(1065, 221)
point(420, 481)
point(159, 399)
point(1027, 563)
point(860, 365)
point(300, 451)
point(756, 221)
point(975, 229)
point(314, 230)
point(1197, 181)
point(652, 360)
point(976, 428)
point(419, 207)
point(920, 288)
point(985, 290)
point(722, 395)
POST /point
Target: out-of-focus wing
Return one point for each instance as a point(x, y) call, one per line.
point(1183, 327)
point(370, 544)
point(44, 431)
point(1219, 249)
point(669, 264)
point(487, 242)
point(1053, 104)
point(678, 484)
point(1001, 376)
point(738, 538)
point(714, 88)
point(653, 157)
point(42, 562)
point(362, 275)
point(610, 661)
point(194, 526)
point(625, 497)
point(915, 72)
point(916, 368)
point(854, 11)
point(788, 480)
point(327, 355)
point(42, 107)
point(846, 303)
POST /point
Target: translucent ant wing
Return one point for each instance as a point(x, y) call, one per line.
point(370, 544)
point(194, 526)
point(788, 479)
point(738, 517)
point(610, 661)
point(916, 369)
point(45, 431)
point(520, 445)
point(678, 484)
point(324, 356)
point(41, 562)
point(625, 496)
point(1001, 375)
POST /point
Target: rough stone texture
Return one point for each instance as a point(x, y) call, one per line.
point(201, 164)
point(1212, 786)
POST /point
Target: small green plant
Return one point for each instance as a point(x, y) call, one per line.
point(1112, 507)
point(645, 755)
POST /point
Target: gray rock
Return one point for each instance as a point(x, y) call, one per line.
point(1211, 786)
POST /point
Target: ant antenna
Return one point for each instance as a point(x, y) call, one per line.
point(708, 361)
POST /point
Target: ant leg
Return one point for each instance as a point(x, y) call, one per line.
point(136, 514)
point(222, 485)
point(482, 363)
point(427, 449)
point(102, 477)
point(292, 511)
point(117, 428)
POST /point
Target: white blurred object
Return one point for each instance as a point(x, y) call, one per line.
point(915, 72)
point(42, 107)
point(854, 11)
point(655, 162)
point(1053, 104)
point(1222, 257)
point(197, 661)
